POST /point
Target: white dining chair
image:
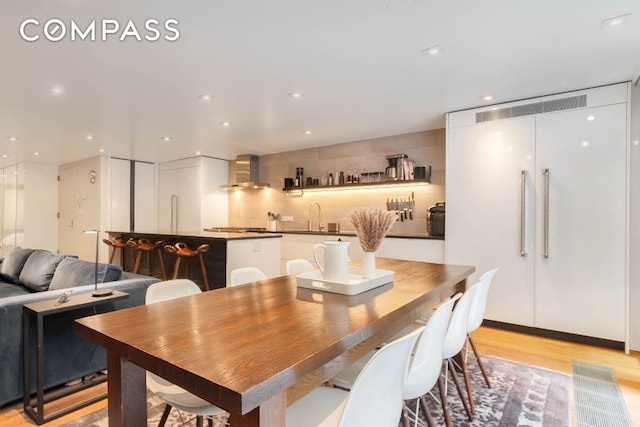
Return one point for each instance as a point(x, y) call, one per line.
point(424, 368)
point(243, 275)
point(476, 316)
point(295, 266)
point(379, 385)
point(173, 395)
point(454, 342)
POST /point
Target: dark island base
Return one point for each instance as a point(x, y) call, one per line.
point(214, 260)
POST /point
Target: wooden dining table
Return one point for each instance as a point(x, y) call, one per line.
point(256, 348)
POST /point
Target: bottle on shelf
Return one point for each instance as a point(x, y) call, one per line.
point(356, 177)
point(341, 178)
point(330, 179)
point(350, 175)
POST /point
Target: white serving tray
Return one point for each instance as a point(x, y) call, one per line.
point(356, 284)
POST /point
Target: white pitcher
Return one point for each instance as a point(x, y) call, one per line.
point(336, 261)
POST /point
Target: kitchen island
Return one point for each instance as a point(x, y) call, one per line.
point(228, 251)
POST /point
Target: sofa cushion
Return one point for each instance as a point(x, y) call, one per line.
point(13, 263)
point(76, 272)
point(38, 270)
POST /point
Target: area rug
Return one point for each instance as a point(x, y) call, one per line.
point(521, 396)
point(597, 398)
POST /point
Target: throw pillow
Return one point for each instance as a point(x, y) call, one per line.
point(13, 263)
point(38, 270)
point(76, 272)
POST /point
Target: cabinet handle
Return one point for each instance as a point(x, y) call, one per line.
point(546, 213)
point(177, 210)
point(523, 209)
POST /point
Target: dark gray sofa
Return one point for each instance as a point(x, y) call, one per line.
point(27, 276)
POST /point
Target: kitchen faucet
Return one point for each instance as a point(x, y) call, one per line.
point(319, 217)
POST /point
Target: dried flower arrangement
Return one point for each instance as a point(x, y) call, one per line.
point(371, 225)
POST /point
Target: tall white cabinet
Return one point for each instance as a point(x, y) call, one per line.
point(132, 195)
point(189, 194)
point(538, 189)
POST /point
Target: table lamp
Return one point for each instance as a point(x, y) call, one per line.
point(97, 292)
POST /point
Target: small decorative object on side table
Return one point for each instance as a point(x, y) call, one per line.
point(39, 310)
point(371, 225)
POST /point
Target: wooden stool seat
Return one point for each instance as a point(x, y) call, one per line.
point(181, 250)
point(145, 245)
point(115, 243)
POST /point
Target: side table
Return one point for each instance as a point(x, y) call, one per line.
point(40, 310)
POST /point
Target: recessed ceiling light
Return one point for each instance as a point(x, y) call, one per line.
point(590, 118)
point(35, 153)
point(101, 150)
point(225, 124)
point(197, 153)
point(636, 142)
point(585, 143)
point(4, 156)
point(308, 132)
point(205, 97)
point(433, 50)
point(166, 138)
point(56, 90)
point(487, 97)
point(296, 95)
point(615, 21)
point(89, 137)
point(12, 138)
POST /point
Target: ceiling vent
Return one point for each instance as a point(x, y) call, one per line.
point(247, 170)
point(534, 108)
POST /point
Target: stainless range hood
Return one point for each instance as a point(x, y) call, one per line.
point(247, 171)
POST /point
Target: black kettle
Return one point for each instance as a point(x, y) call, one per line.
point(435, 220)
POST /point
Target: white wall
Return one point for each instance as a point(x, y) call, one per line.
point(634, 219)
point(81, 209)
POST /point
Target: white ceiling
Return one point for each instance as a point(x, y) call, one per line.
point(358, 64)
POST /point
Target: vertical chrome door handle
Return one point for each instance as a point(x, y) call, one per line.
point(177, 210)
point(546, 213)
point(523, 209)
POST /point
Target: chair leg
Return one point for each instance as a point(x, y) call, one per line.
point(113, 252)
point(445, 404)
point(136, 266)
point(467, 383)
point(204, 273)
point(165, 415)
point(480, 365)
point(176, 268)
point(210, 421)
point(162, 270)
point(404, 417)
point(425, 411)
point(452, 368)
point(199, 421)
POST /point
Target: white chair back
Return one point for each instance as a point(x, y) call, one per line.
point(170, 289)
point(243, 275)
point(295, 266)
point(457, 331)
point(426, 364)
point(479, 304)
point(380, 385)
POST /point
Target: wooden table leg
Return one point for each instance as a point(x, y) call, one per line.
point(271, 413)
point(127, 393)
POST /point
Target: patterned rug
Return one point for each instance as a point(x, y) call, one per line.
point(521, 395)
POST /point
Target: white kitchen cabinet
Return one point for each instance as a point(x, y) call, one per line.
point(29, 206)
point(296, 246)
point(189, 198)
point(543, 198)
point(143, 214)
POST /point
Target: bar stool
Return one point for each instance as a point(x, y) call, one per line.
point(145, 245)
point(115, 243)
point(181, 250)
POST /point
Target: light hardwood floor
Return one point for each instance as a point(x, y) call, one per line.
point(543, 352)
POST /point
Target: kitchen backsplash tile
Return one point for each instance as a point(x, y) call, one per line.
point(249, 208)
